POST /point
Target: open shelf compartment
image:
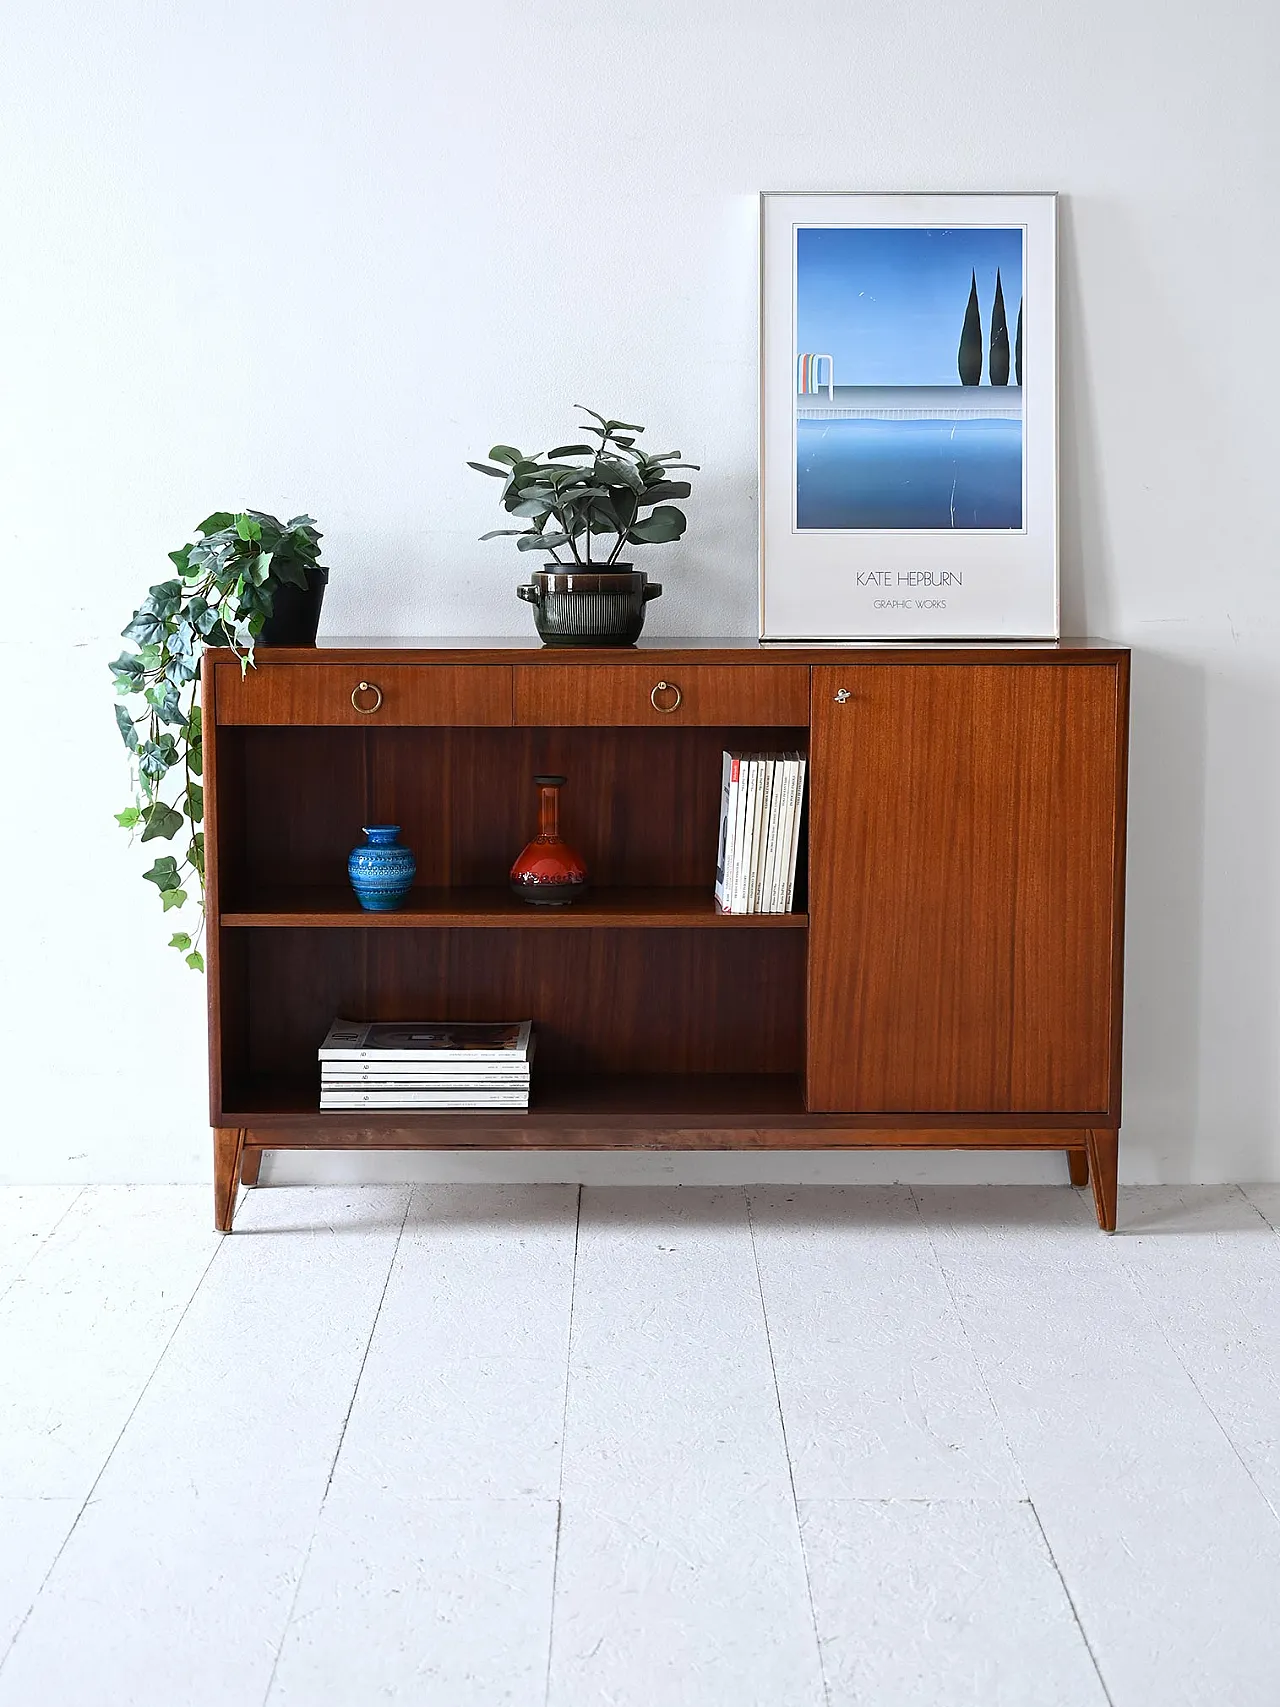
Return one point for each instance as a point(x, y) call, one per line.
point(642, 806)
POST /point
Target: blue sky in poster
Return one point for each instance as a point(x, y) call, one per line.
point(887, 304)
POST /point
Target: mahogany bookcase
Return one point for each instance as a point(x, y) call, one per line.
point(950, 978)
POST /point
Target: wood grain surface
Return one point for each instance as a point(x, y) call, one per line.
point(623, 695)
point(964, 842)
point(291, 694)
point(950, 977)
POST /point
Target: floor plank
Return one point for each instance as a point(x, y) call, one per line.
point(880, 1391)
point(175, 1586)
point(1177, 1591)
point(430, 1576)
point(28, 1215)
point(1208, 1267)
point(1086, 1385)
point(1266, 1200)
point(82, 1333)
point(680, 1577)
point(942, 1604)
point(31, 1533)
point(462, 1394)
point(425, 1602)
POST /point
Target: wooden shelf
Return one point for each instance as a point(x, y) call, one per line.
point(617, 1111)
point(498, 909)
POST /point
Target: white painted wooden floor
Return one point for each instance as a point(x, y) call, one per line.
point(765, 1447)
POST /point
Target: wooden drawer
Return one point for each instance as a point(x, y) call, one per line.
point(395, 695)
point(629, 695)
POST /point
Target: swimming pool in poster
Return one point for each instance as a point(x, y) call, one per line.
point(908, 378)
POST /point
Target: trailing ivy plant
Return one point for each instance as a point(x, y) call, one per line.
point(222, 594)
point(567, 502)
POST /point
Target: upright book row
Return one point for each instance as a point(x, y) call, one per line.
point(761, 797)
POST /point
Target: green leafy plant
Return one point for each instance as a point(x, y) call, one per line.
point(567, 501)
point(222, 594)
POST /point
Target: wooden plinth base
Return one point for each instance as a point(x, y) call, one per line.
point(237, 1150)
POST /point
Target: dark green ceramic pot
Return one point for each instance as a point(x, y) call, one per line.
point(589, 607)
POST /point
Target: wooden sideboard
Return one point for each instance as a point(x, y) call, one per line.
point(950, 978)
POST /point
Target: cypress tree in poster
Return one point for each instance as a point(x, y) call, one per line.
point(998, 360)
point(969, 360)
point(1017, 349)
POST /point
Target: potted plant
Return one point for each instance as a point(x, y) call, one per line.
point(612, 493)
point(248, 579)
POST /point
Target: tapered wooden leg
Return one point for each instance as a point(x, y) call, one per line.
point(1104, 1155)
point(1078, 1166)
point(251, 1161)
point(228, 1148)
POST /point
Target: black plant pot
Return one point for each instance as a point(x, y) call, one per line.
point(295, 612)
point(589, 607)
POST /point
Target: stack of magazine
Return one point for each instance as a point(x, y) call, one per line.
point(375, 1065)
point(760, 799)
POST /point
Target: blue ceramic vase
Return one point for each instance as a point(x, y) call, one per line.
point(382, 871)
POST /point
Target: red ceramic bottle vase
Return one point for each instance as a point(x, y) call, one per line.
point(549, 873)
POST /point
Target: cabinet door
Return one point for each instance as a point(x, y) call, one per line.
point(964, 887)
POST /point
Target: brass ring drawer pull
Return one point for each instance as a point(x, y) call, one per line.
point(664, 687)
point(366, 687)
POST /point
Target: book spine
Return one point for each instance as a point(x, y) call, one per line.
point(768, 882)
point(400, 1057)
point(762, 824)
point(412, 1100)
point(426, 1082)
point(801, 767)
point(781, 846)
point(742, 850)
point(729, 787)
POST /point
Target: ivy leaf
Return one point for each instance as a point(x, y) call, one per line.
point(179, 939)
point(172, 898)
point(127, 670)
point(248, 528)
point(158, 756)
point(195, 802)
point(128, 734)
point(215, 523)
point(162, 822)
point(164, 600)
point(164, 873)
point(163, 698)
point(195, 960)
point(290, 569)
point(144, 627)
point(130, 818)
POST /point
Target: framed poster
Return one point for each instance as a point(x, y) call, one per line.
point(908, 417)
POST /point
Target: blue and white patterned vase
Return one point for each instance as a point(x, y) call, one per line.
point(381, 872)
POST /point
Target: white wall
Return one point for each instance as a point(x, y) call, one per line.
point(314, 256)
